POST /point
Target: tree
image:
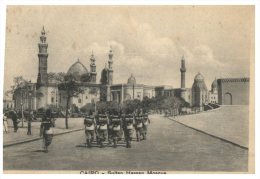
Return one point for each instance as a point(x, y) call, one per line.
point(19, 82)
point(72, 88)
point(22, 88)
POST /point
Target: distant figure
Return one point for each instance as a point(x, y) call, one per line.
point(29, 123)
point(5, 123)
point(15, 120)
point(46, 130)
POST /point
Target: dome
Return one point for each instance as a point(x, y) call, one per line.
point(199, 77)
point(77, 69)
point(131, 80)
point(214, 84)
point(199, 83)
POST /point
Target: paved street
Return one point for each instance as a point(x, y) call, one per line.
point(170, 146)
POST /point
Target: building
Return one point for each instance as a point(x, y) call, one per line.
point(182, 92)
point(131, 90)
point(233, 91)
point(8, 103)
point(47, 93)
point(213, 93)
point(199, 92)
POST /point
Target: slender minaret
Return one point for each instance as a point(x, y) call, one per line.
point(183, 70)
point(43, 63)
point(110, 68)
point(93, 73)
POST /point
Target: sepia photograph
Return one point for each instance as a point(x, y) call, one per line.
point(129, 89)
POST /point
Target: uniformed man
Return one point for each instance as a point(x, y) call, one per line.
point(146, 122)
point(90, 125)
point(116, 129)
point(128, 125)
point(102, 124)
point(138, 126)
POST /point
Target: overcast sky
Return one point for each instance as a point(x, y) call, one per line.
point(149, 42)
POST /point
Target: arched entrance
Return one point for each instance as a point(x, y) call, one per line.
point(228, 99)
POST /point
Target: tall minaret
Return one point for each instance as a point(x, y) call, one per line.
point(93, 73)
point(110, 68)
point(43, 63)
point(183, 70)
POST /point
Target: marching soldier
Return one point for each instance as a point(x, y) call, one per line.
point(128, 126)
point(146, 122)
point(138, 126)
point(116, 129)
point(102, 124)
point(90, 125)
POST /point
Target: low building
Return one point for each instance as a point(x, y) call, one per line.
point(233, 91)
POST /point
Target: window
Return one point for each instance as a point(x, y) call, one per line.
point(52, 99)
point(86, 97)
point(79, 100)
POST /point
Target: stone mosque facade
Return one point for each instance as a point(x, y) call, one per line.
point(45, 92)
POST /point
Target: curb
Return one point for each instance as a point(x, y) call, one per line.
point(38, 138)
point(216, 137)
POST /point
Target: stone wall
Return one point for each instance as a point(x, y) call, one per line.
point(233, 91)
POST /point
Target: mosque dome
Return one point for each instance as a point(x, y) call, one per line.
point(214, 84)
point(199, 77)
point(199, 83)
point(77, 68)
point(131, 80)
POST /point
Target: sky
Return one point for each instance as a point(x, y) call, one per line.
point(148, 41)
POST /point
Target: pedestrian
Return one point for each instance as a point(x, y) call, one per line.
point(5, 122)
point(146, 122)
point(29, 123)
point(46, 130)
point(14, 117)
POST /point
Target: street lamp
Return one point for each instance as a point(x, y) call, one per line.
point(22, 112)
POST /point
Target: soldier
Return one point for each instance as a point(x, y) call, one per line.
point(146, 122)
point(138, 126)
point(116, 129)
point(90, 125)
point(128, 125)
point(102, 123)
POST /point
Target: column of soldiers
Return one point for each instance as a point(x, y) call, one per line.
point(112, 127)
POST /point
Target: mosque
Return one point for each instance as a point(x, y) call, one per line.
point(46, 92)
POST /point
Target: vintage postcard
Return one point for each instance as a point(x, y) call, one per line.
point(129, 89)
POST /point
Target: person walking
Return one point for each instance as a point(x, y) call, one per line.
point(46, 130)
point(5, 122)
point(29, 123)
point(15, 120)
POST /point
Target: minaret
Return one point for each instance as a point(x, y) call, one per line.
point(43, 63)
point(93, 73)
point(183, 70)
point(110, 68)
